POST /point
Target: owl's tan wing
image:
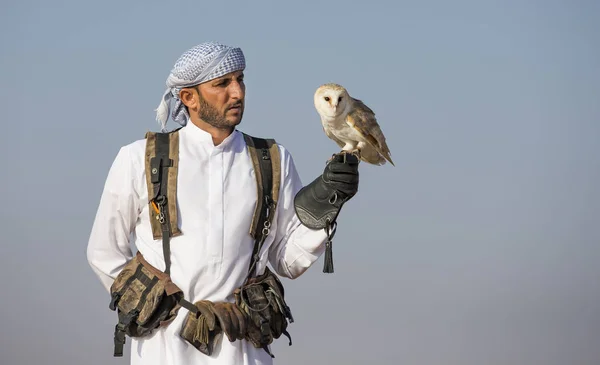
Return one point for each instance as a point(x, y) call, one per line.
point(363, 120)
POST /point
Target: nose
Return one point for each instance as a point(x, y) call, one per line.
point(236, 90)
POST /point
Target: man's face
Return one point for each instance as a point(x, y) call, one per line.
point(221, 101)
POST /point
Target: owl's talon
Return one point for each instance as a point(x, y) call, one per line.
point(345, 154)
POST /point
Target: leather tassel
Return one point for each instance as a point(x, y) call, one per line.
point(201, 334)
point(328, 264)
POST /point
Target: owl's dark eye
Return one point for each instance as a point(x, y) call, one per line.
point(339, 99)
point(327, 98)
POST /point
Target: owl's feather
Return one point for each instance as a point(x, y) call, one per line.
point(363, 120)
point(333, 137)
point(351, 124)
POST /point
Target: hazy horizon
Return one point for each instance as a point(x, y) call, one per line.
point(480, 247)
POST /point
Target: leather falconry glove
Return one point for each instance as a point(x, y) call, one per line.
point(319, 203)
point(200, 328)
point(205, 328)
point(231, 320)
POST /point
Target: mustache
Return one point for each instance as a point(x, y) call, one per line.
point(235, 105)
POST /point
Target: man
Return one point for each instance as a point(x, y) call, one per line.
point(216, 198)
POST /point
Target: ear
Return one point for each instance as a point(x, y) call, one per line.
point(188, 97)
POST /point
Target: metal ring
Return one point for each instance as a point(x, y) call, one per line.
point(335, 197)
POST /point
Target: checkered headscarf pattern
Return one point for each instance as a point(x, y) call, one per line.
point(202, 63)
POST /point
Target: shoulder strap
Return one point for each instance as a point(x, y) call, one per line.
point(267, 169)
point(162, 161)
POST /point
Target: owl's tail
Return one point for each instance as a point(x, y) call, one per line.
point(370, 155)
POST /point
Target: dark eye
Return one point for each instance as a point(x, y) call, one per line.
point(339, 99)
point(327, 98)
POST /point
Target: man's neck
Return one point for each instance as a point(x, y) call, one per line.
point(218, 134)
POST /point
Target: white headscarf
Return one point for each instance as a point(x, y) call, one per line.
point(204, 62)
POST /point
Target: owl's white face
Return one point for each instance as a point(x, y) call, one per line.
point(331, 102)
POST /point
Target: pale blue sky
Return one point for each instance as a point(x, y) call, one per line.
point(479, 247)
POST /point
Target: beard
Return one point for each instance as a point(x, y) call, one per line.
point(213, 117)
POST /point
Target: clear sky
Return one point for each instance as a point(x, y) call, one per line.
point(480, 247)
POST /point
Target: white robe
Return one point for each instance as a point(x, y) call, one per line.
point(216, 196)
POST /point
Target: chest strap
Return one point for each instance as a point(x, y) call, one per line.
point(267, 169)
point(162, 163)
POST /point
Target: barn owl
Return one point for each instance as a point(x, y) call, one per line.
point(351, 124)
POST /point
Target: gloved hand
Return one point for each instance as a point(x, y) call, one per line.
point(204, 329)
point(320, 201)
point(231, 320)
point(200, 329)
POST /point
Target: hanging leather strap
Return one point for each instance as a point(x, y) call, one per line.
point(267, 169)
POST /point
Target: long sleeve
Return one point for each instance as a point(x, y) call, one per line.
point(295, 247)
point(108, 247)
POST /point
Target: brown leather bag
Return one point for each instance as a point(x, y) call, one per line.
point(262, 301)
point(145, 298)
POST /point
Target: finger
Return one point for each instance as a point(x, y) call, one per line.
point(340, 176)
point(235, 322)
point(343, 168)
point(230, 328)
point(352, 159)
point(226, 322)
point(342, 179)
point(340, 173)
point(337, 157)
point(205, 308)
point(241, 321)
point(345, 158)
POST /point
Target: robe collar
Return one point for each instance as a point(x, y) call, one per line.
point(202, 137)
